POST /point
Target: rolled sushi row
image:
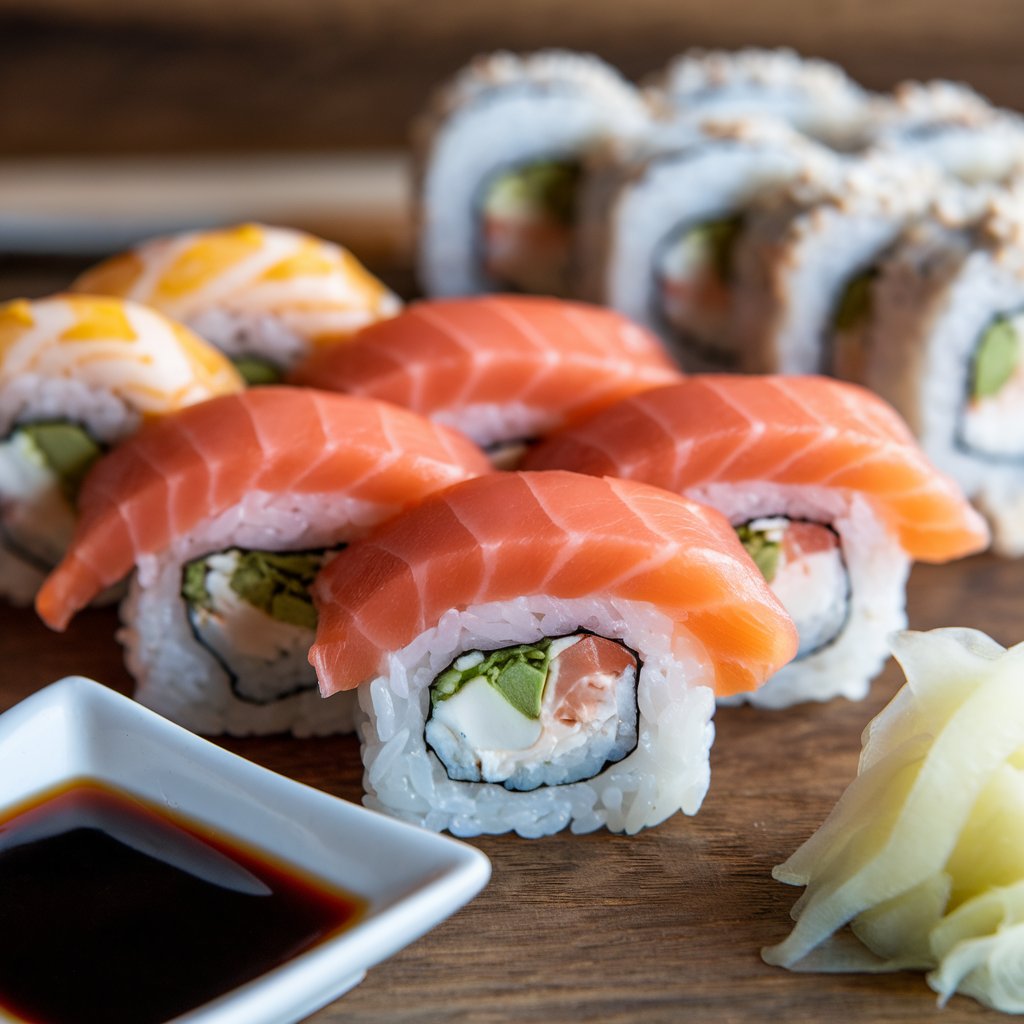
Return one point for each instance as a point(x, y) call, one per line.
point(550, 173)
point(763, 214)
point(519, 650)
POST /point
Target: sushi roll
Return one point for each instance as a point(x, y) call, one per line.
point(660, 227)
point(807, 252)
point(540, 650)
point(265, 296)
point(825, 488)
point(226, 512)
point(77, 375)
point(951, 126)
point(816, 97)
point(504, 370)
point(947, 224)
point(945, 348)
point(499, 158)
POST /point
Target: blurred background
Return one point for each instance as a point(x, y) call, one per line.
point(121, 117)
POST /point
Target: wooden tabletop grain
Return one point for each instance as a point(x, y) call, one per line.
point(662, 926)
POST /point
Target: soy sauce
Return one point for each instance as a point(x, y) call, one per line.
point(114, 912)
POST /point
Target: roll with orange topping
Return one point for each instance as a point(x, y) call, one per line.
point(265, 296)
point(77, 374)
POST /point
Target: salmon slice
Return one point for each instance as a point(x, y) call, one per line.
point(808, 431)
point(563, 360)
point(189, 467)
point(580, 675)
point(802, 540)
point(558, 534)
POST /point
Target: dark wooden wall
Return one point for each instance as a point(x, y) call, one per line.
point(79, 76)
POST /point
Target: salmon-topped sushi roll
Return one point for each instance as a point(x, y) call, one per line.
point(825, 487)
point(78, 374)
point(542, 650)
point(503, 369)
point(227, 511)
point(266, 296)
point(500, 154)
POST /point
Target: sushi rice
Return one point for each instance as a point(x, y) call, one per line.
point(850, 653)
point(181, 677)
point(665, 772)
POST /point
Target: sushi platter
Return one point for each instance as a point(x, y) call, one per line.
point(664, 924)
point(716, 390)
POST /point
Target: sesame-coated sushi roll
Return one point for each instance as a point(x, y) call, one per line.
point(815, 96)
point(825, 488)
point(540, 650)
point(77, 375)
point(661, 230)
point(503, 369)
point(227, 511)
point(265, 296)
point(950, 126)
point(500, 156)
point(946, 347)
point(803, 259)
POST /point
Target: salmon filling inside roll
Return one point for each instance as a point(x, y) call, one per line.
point(41, 468)
point(528, 216)
point(993, 418)
point(253, 612)
point(803, 564)
point(694, 276)
point(548, 713)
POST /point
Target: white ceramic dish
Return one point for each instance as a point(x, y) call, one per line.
point(411, 879)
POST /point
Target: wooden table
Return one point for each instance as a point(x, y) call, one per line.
point(662, 926)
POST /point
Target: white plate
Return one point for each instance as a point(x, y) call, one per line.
point(411, 879)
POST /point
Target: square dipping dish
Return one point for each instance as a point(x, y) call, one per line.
point(158, 797)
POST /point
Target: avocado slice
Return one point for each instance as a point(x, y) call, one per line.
point(67, 449)
point(256, 371)
point(277, 583)
point(548, 185)
point(518, 673)
point(995, 359)
point(764, 552)
point(717, 238)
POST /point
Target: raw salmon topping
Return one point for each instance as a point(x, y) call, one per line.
point(558, 534)
point(178, 472)
point(801, 431)
point(553, 361)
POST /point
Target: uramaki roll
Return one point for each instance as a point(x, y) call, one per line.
point(540, 650)
point(77, 375)
point(226, 512)
point(945, 347)
point(499, 160)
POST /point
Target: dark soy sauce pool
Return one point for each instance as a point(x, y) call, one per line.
point(114, 912)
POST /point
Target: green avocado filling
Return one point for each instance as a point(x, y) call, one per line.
point(548, 185)
point(764, 552)
point(275, 582)
point(517, 673)
point(717, 239)
point(256, 371)
point(67, 450)
point(995, 359)
point(854, 306)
